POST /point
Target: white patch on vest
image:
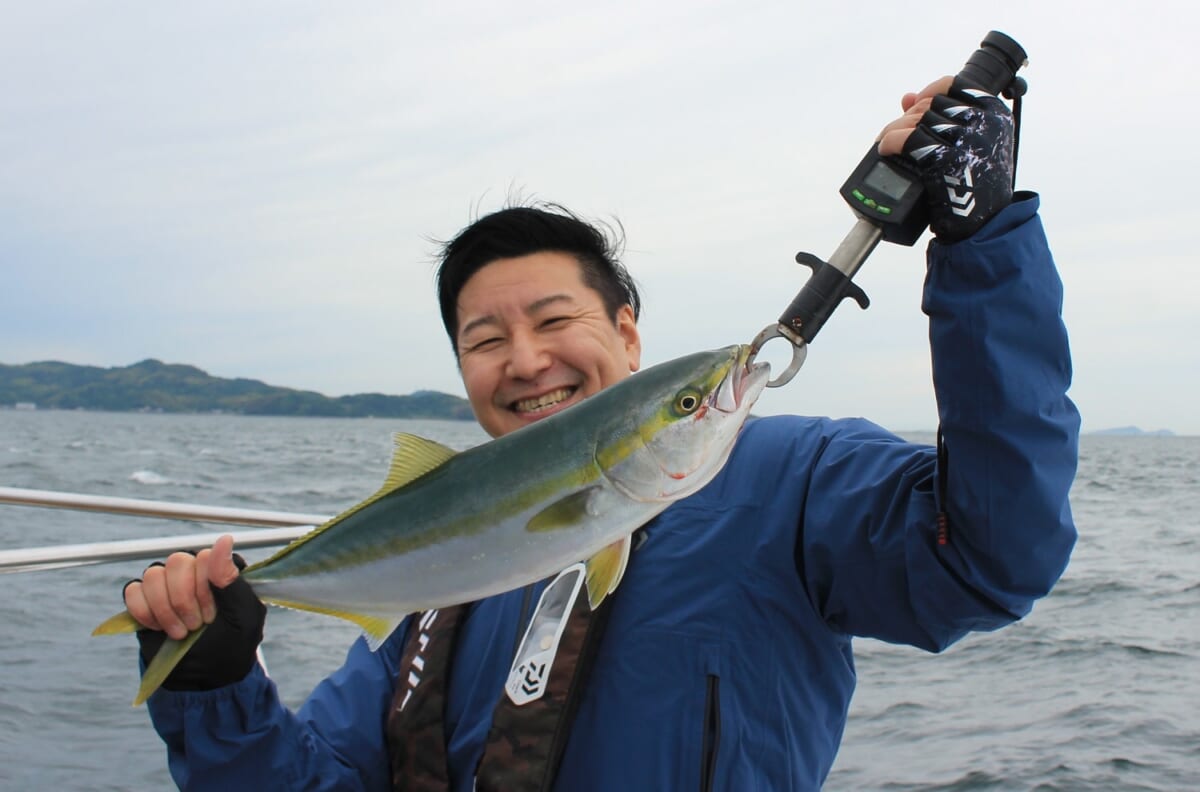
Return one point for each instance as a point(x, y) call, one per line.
point(418, 662)
point(531, 667)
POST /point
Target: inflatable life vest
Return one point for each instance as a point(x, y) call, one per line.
point(531, 722)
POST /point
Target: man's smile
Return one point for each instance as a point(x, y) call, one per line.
point(545, 401)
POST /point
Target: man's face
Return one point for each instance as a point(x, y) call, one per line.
point(533, 340)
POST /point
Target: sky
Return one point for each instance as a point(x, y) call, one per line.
point(258, 188)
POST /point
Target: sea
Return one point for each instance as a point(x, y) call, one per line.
point(1097, 689)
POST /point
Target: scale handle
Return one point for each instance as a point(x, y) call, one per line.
point(887, 195)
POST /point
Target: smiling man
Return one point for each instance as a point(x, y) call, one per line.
point(533, 337)
point(724, 659)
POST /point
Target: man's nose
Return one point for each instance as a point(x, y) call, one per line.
point(529, 356)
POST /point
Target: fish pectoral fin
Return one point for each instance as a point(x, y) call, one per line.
point(605, 570)
point(412, 458)
point(565, 512)
point(164, 662)
point(118, 624)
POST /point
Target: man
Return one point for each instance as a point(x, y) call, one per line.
point(725, 661)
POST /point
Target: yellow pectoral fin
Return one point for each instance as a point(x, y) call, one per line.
point(115, 625)
point(563, 513)
point(605, 570)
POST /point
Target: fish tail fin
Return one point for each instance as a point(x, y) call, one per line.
point(165, 660)
point(115, 625)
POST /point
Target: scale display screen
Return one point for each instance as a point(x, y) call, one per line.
point(887, 181)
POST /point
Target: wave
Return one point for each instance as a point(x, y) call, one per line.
point(1083, 588)
point(1092, 648)
point(149, 478)
point(974, 779)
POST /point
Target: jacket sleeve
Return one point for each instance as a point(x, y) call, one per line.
point(242, 737)
point(869, 553)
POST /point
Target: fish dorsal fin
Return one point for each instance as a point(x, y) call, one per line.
point(412, 458)
point(605, 570)
point(565, 512)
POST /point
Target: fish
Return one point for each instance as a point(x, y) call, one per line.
point(450, 527)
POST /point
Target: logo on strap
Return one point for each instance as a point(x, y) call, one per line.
point(530, 670)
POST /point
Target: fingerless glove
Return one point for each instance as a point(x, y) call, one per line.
point(963, 148)
point(226, 651)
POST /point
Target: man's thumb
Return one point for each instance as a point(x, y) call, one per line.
point(221, 568)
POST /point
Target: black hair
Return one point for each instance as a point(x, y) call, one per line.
point(523, 230)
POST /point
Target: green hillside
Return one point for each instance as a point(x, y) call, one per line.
point(154, 385)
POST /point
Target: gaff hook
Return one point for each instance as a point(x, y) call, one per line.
point(799, 351)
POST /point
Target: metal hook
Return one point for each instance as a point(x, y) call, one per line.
point(799, 351)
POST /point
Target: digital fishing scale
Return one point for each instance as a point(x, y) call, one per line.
point(888, 198)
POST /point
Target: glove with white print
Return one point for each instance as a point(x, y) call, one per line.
point(963, 148)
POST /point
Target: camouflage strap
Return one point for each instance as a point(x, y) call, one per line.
point(526, 742)
point(416, 727)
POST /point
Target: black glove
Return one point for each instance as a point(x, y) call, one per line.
point(226, 651)
point(963, 148)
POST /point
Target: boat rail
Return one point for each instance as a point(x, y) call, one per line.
point(275, 528)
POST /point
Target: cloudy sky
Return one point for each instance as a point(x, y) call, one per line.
point(253, 188)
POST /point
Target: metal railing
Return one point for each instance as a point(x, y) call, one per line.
point(275, 528)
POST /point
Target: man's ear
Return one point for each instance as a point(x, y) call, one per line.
point(628, 330)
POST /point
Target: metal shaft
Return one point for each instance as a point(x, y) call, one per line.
point(854, 249)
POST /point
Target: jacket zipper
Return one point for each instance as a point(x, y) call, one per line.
point(712, 733)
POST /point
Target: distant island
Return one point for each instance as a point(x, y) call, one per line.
point(154, 386)
point(1126, 431)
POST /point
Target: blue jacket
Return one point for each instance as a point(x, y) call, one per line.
point(736, 614)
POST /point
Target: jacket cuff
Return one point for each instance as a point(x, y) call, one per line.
point(165, 702)
point(1025, 205)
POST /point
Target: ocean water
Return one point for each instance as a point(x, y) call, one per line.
point(1098, 689)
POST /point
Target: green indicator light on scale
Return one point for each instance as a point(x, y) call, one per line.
point(886, 210)
point(859, 195)
point(870, 203)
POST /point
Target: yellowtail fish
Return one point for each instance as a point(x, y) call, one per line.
point(450, 527)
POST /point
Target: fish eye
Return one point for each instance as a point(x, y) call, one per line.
point(687, 401)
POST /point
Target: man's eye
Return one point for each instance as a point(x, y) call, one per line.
point(553, 320)
point(484, 344)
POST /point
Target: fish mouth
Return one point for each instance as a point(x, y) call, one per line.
point(743, 380)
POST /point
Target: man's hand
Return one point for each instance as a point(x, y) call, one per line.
point(175, 597)
point(186, 592)
point(961, 140)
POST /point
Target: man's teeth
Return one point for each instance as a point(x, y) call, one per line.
point(543, 401)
